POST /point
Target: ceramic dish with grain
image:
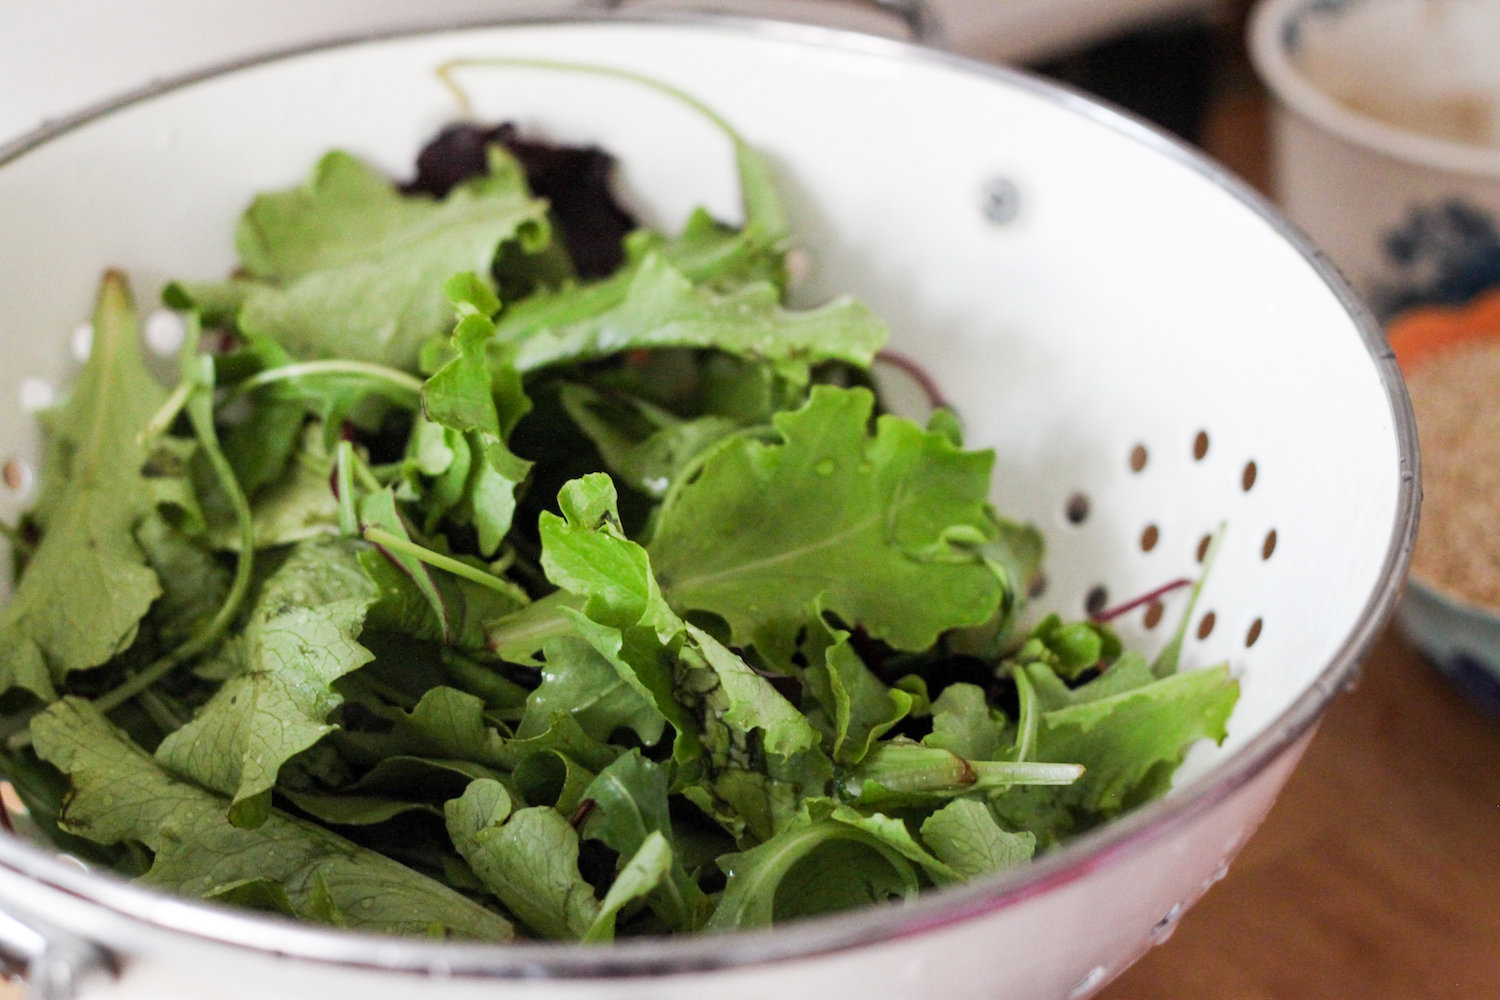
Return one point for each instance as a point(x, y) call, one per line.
point(1451, 612)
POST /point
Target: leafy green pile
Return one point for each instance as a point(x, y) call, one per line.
point(448, 593)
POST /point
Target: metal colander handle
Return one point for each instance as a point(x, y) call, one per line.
point(54, 965)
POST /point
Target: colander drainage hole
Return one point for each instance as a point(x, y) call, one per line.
point(1254, 634)
point(1200, 446)
point(1203, 544)
point(1076, 510)
point(1138, 456)
point(165, 332)
point(1247, 477)
point(1154, 612)
point(1095, 600)
point(1149, 537)
point(35, 394)
point(18, 475)
point(1206, 625)
point(1269, 545)
point(82, 341)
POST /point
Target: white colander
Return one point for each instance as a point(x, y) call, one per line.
point(1150, 350)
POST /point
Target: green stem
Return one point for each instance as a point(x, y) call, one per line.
point(407, 547)
point(161, 714)
point(1004, 773)
point(1028, 717)
point(163, 418)
point(446, 70)
point(520, 634)
point(367, 478)
point(1167, 660)
point(394, 378)
point(764, 217)
point(343, 469)
point(200, 414)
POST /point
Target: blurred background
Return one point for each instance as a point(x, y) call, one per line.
point(1377, 875)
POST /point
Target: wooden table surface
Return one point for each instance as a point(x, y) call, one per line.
point(1377, 874)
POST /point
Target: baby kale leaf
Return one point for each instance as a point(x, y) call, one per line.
point(120, 794)
point(88, 584)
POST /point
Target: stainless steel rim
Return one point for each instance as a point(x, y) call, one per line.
point(155, 913)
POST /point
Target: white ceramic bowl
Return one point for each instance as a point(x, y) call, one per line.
point(1370, 101)
point(1111, 312)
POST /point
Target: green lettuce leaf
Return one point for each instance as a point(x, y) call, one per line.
point(527, 857)
point(87, 585)
point(965, 836)
point(120, 794)
point(462, 397)
point(833, 515)
point(1130, 743)
point(300, 638)
point(631, 806)
point(814, 865)
point(664, 308)
point(639, 877)
point(348, 267)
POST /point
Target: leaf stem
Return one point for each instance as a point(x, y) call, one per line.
point(1027, 717)
point(521, 633)
point(1003, 773)
point(765, 220)
point(161, 714)
point(393, 377)
point(162, 419)
point(199, 409)
point(344, 460)
point(446, 70)
point(407, 547)
point(1167, 660)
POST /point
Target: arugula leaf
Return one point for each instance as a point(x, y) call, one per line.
point(596, 690)
point(301, 637)
point(649, 457)
point(348, 267)
point(861, 707)
point(645, 870)
point(964, 722)
point(456, 615)
point(446, 724)
point(296, 504)
point(832, 515)
point(194, 584)
point(663, 308)
point(93, 498)
point(528, 858)
point(631, 806)
point(965, 835)
point(587, 553)
point(1129, 743)
point(760, 878)
point(460, 396)
point(120, 794)
point(745, 701)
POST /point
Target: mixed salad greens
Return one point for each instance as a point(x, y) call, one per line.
point(487, 575)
